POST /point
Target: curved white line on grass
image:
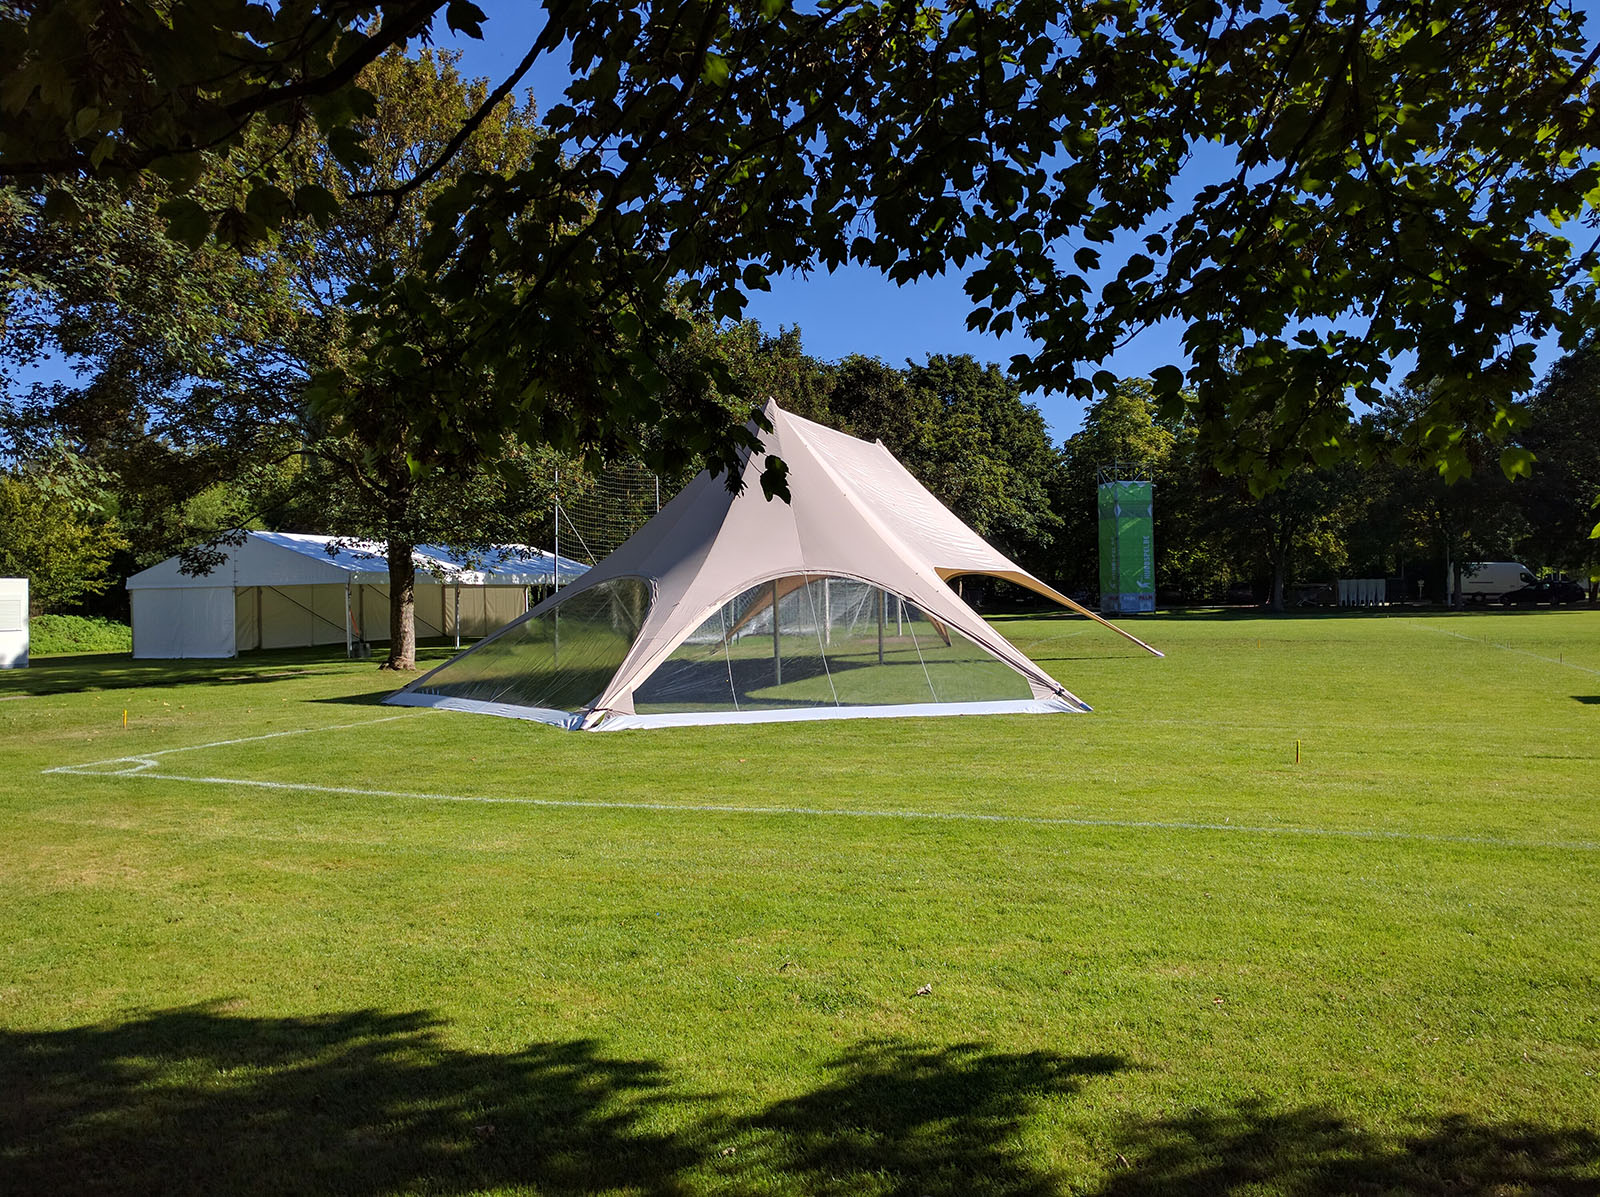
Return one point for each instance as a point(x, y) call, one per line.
point(297, 731)
point(132, 765)
point(917, 815)
point(1507, 648)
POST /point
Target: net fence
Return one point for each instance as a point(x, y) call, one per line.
point(594, 514)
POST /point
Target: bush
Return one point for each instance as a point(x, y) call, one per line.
point(77, 634)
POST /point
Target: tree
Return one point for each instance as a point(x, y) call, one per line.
point(1558, 499)
point(55, 537)
point(200, 363)
point(388, 396)
point(1470, 514)
point(1394, 175)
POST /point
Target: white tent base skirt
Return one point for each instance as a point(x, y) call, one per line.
point(572, 721)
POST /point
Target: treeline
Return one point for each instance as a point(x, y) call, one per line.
point(81, 520)
point(965, 430)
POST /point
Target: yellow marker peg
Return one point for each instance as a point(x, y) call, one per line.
point(124, 718)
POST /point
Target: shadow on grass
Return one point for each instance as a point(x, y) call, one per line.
point(202, 1101)
point(197, 1100)
point(362, 698)
point(1253, 1148)
point(1587, 699)
point(896, 1118)
point(89, 672)
point(193, 1101)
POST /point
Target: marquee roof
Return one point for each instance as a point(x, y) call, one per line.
point(303, 559)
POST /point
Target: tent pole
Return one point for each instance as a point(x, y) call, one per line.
point(827, 614)
point(777, 659)
point(458, 614)
point(349, 643)
point(883, 601)
point(555, 557)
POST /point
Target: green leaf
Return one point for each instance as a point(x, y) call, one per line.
point(465, 17)
point(187, 222)
point(1517, 463)
point(1166, 380)
point(270, 205)
point(715, 71)
point(60, 207)
point(317, 203)
point(182, 171)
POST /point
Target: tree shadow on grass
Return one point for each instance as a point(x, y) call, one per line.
point(119, 671)
point(88, 672)
point(200, 1101)
point(193, 1101)
point(1251, 1147)
point(898, 1118)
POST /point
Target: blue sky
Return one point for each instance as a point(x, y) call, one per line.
point(856, 310)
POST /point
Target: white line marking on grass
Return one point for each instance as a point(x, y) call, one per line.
point(917, 815)
point(15, 697)
point(1508, 648)
point(88, 766)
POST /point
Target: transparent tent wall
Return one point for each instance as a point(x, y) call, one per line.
point(811, 641)
point(560, 660)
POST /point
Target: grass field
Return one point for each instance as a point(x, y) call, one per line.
point(290, 940)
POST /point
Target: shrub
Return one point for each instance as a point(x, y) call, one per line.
point(49, 634)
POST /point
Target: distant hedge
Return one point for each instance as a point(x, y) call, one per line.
point(77, 634)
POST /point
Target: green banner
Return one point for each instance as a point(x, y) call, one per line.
point(1127, 547)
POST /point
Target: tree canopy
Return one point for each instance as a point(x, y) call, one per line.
point(1399, 180)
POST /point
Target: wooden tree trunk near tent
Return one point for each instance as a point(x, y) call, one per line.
point(402, 607)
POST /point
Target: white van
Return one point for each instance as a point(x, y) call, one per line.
point(1486, 581)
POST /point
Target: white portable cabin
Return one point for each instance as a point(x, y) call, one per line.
point(292, 590)
point(13, 623)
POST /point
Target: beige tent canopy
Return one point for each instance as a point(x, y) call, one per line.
point(734, 608)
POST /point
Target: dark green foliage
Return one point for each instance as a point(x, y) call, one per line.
point(1399, 176)
point(55, 535)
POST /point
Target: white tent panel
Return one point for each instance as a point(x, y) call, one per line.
point(192, 622)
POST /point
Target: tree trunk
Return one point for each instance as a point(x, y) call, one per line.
point(1280, 565)
point(402, 608)
point(1456, 602)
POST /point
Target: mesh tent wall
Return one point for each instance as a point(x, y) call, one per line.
point(729, 607)
point(290, 590)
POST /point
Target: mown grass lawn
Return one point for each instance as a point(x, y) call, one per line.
point(1174, 961)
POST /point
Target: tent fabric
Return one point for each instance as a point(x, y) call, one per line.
point(729, 607)
point(290, 590)
point(183, 623)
